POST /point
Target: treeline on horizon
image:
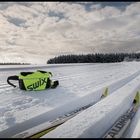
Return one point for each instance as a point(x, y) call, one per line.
point(14, 63)
point(95, 58)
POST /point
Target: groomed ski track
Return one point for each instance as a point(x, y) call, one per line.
point(72, 79)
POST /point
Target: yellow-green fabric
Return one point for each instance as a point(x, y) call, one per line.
point(35, 81)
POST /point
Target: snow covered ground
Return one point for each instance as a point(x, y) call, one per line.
point(80, 84)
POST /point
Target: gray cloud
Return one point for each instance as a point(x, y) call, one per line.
point(16, 21)
point(37, 31)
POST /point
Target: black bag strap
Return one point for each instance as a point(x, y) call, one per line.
point(15, 77)
point(26, 73)
point(42, 71)
point(45, 72)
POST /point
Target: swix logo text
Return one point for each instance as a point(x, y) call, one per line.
point(37, 84)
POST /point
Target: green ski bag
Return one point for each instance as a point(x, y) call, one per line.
point(34, 81)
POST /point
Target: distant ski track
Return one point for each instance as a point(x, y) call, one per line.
point(10, 68)
point(79, 74)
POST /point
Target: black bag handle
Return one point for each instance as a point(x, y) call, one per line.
point(15, 77)
point(45, 72)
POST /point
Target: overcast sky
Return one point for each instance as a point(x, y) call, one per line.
point(36, 31)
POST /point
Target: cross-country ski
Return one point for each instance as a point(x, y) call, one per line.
point(121, 125)
point(49, 126)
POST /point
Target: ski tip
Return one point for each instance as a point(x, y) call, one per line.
point(105, 93)
point(136, 100)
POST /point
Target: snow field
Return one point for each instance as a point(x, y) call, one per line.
point(84, 101)
point(79, 85)
point(92, 97)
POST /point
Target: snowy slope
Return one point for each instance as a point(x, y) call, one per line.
point(79, 85)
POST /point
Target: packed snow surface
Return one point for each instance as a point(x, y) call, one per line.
point(79, 85)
